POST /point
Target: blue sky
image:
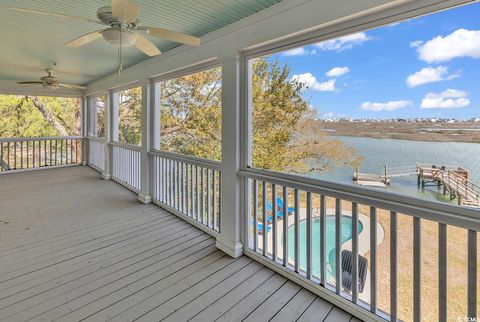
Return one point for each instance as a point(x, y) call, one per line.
point(423, 67)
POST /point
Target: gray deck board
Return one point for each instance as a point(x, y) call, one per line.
point(295, 307)
point(337, 315)
point(274, 303)
point(317, 311)
point(78, 248)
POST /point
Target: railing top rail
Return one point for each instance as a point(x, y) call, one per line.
point(127, 146)
point(439, 167)
point(96, 139)
point(458, 177)
point(47, 138)
point(211, 164)
point(445, 213)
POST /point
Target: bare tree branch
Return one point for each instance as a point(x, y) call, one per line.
point(48, 116)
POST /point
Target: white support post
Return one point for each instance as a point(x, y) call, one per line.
point(84, 114)
point(155, 91)
point(114, 117)
point(110, 101)
point(91, 117)
point(148, 108)
point(229, 240)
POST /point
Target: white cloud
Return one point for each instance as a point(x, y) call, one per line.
point(300, 51)
point(311, 82)
point(450, 98)
point(460, 43)
point(416, 43)
point(345, 42)
point(429, 75)
point(337, 71)
point(328, 86)
point(306, 78)
point(387, 106)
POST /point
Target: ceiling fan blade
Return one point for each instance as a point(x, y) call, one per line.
point(85, 39)
point(55, 14)
point(146, 46)
point(125, 10)
point(30, 83)
point(172, 36)
point(71, 86)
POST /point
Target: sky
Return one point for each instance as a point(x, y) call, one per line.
point(423, 67)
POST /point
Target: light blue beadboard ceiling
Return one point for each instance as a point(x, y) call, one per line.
point(30, 43)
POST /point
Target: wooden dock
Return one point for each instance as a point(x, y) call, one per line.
point(454, 180)
point(372, 180)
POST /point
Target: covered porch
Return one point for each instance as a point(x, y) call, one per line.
point(130, 222)
point(82, 248)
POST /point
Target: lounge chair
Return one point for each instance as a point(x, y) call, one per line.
point(347, 267)
point(279, 208)
point(260, 228)
point(270, 208)
point(290, 210)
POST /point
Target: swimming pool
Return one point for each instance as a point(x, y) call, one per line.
point(346, 222)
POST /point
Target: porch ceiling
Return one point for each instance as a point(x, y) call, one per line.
point(31, 42)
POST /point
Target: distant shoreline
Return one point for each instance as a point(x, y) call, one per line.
point(468, 132)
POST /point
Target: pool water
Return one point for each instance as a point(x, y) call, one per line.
point(346, 222)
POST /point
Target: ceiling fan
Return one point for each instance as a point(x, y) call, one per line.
point(123, 28)
point(50, 82)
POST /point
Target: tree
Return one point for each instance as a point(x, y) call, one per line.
point(34, 116)
point(49, 117)
point(285, 136)
point(130, 116)
point(191, 114)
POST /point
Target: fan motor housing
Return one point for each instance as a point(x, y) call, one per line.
point(104, 14)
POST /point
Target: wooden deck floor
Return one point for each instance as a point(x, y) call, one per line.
point(74, 247)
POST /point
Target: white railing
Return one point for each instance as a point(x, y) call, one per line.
point(190, 186)
point(96, 153)
point(126, 165)
point(327, 236)
point(29, 153)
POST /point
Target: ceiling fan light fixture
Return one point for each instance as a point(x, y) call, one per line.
point(117, 37)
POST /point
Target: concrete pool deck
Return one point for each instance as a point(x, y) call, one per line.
point(363, 239)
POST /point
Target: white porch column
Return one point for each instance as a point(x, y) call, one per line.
point(114, 117)
point(110, 101)
point(84, 112)
point(148, 107)
point(230, 229)
point(155, 115)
